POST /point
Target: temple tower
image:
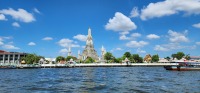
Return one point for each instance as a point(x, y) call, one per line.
point(69, 51)
point(103, 52)
point(89, 50)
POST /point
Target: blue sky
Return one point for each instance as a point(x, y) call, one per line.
point(48, 27)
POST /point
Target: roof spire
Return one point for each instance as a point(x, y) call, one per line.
point(89, 32)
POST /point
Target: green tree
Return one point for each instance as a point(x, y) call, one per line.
point(187, 57)
point(180, 55)
point(31, 58)
point(127, 54)
point(140, 60)
point(167, 58)
point(118, 60)
point(60, 58)
point(69, 57)
point(89, 60)
point(136, 58)
point(108, 56)
point(173, 56)
point(155, 58)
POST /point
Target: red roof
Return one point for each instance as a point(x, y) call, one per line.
point(5, 52)
point(1, 51)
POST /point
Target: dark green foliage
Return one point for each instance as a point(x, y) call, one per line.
point(89, 60)
point(69, 57)
point(108, 56)
point(136, 58)
point(127, 54)
point(155, 58)
point(187, 57)
point(31, 58)
point(173, 56)
point(60, 58)
point(118, 60)
point(167, 58)
point(178, 55)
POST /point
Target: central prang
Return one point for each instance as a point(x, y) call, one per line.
point(89, 50)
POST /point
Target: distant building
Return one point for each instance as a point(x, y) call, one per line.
point(89, 50)
point(147, 58)
point(11, 57)
point(195, 58)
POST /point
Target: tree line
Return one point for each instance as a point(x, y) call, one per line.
point(133, 58)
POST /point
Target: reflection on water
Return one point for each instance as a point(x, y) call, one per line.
point(98, 80)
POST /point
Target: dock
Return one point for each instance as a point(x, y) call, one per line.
point(27, 66)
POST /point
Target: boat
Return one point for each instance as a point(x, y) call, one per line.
point(8, 67)
point(184, 66)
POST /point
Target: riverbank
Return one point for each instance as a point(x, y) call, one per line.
point(25, 66)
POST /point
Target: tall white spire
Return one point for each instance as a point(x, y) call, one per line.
point(89, 32)
point(69, 51)
point(89, 38)
point(102, 48)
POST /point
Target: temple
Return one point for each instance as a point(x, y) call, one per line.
point(89, 50)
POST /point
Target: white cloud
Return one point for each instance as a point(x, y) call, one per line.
point(15, 24)
point(47, 38)
point(140, 51)
point(31, 44)
point(20, 14)
point(80, 37)
point(198, 43)
point(172, 46)
point(1, 43)
point(153, 36)
point(177, 37)
point(160, 48)
point(2, 17)
point(124, 33)
point(10, 47)
point(63, 51)
point(170, 7)
point(135, 35)
point(36, 10)
point(6, 37)
point(67, 43)
point(124, 37)
point(120, 22)
point(83, 47)
point(196, 25)
point(119, 49)
point(134, 12)
point(134, 44)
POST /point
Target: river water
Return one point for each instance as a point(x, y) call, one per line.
point(98, 80)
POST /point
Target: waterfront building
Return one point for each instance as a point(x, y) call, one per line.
point(89, 50)
point(11, 57)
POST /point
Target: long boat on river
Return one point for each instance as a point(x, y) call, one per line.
point(184, 66)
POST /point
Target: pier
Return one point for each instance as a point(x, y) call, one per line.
point(26, 66)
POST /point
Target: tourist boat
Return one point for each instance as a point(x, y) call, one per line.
point(8, 67)
point(184, 66)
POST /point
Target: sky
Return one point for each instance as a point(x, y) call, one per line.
point(49, 27)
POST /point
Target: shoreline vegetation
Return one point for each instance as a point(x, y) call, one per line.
point(108, 60)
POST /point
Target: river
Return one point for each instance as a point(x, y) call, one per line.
point(98, 80)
